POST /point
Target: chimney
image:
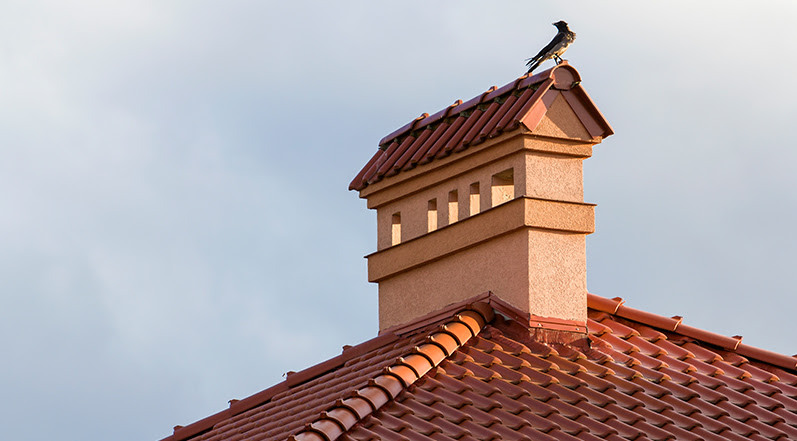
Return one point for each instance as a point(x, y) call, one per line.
point(487, 196)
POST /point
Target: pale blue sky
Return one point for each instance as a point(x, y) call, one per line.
point(176, 230)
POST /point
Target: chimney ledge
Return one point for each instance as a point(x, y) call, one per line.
point(521, 212)
point(426, 176)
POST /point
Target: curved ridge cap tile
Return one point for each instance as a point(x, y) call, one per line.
point(506, 88)
point(603, 304)
point(403, 129)
point(722, 341)
point(648, 318)
point(438, 116)
point(565, 76)
point(393, 379)
point(767, 356)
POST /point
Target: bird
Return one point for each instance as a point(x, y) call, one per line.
point(555, 48)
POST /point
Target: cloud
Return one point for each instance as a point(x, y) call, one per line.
point(176, 229)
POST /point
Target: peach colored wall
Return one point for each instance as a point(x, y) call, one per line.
point(543, 214)
point(538, 271)
point(558, 274)
point(536, 174)
point(414, 208)
point(553, 177)
point(561, 121)
point(498, 265)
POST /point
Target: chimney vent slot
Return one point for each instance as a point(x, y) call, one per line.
point(474, 199)
point(396, 229)
point(453, 206)
point(432, 215)
point(503, 187)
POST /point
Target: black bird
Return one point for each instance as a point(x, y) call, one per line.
point(555, 48)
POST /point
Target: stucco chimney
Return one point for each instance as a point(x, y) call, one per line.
point(487, 195)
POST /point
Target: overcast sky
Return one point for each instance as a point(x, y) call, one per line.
point(175, 225)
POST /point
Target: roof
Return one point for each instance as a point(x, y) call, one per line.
point(477, 371)
point(518, 104)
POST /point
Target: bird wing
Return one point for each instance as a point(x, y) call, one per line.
point(547, 49)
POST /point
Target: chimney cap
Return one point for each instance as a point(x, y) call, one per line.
point(404, 148)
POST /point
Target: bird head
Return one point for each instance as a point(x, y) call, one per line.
point(561, 25)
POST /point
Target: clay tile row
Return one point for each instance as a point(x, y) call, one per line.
point(395, 378)
point(455, 128)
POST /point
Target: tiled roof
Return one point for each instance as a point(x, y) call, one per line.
point(470, 373)
point(463, 125)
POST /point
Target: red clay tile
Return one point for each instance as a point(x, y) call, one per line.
point(427, 145)
point(457, 141)
point(599, 399)
point(495, 387)
point(599, 429)
point(531, 114)
point(681, 434)
point(646, 347)
point(770, 357)
point(624, 430)
point(735, 411)
point(402, 130)
point(788, 403)
point(789, 429)
point(513, 108)
point(702, 354)
point(655, 320)
point(603, 304)
point(763, 401)
point(481, 416)
point(472, 137)
point(765, 416)
point(627, 416)
point(493, 112)
point(479, 432)
point(409, 152)
point(654, 404)
point(494, 128)
point(654, 432)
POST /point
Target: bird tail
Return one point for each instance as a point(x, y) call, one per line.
point(533, 63)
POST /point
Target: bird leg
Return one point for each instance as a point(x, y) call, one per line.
point(557, 58)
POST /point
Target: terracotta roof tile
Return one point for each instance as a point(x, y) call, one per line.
point(462, 125)
point(470, 380)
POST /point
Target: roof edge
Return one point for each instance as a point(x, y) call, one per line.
point(292, 379)
point(386, 386)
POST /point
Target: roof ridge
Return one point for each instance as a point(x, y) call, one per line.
point(616, 306)
point(439, 345)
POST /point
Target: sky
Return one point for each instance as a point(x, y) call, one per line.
point(175, 225)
